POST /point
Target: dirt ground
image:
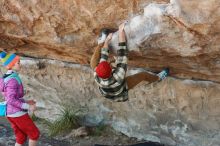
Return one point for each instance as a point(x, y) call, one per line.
point(109, 137)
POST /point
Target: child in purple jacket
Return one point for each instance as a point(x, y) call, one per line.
point(17, 108)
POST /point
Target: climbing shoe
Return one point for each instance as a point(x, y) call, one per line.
point(103, 34)
point(163, 74)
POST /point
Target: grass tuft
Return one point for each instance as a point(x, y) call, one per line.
point(68, 120)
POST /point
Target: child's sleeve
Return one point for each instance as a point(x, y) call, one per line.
point(11, 90)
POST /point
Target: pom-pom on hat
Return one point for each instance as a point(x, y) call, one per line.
point(8, 60)
point(104, 70)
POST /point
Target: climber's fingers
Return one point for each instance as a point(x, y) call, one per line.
point(109, 37)
point(122, 26)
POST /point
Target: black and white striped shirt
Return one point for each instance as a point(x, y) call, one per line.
point(114, 86)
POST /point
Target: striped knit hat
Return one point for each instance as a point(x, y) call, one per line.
point(8, 60)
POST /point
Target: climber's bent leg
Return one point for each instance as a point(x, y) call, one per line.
point(135, 79)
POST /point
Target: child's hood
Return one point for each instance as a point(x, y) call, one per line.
point(7, 78)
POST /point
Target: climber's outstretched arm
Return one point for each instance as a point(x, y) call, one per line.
point(101, 53)
point(122, 53)
point(121, 33)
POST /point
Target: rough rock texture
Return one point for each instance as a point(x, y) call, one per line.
point(172, 112)
point(61, 29)
point(181, 34)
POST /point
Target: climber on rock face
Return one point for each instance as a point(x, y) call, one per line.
point(112, 82)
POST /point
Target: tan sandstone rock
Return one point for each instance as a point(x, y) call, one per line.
point(180, 34)
point(174, 111)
